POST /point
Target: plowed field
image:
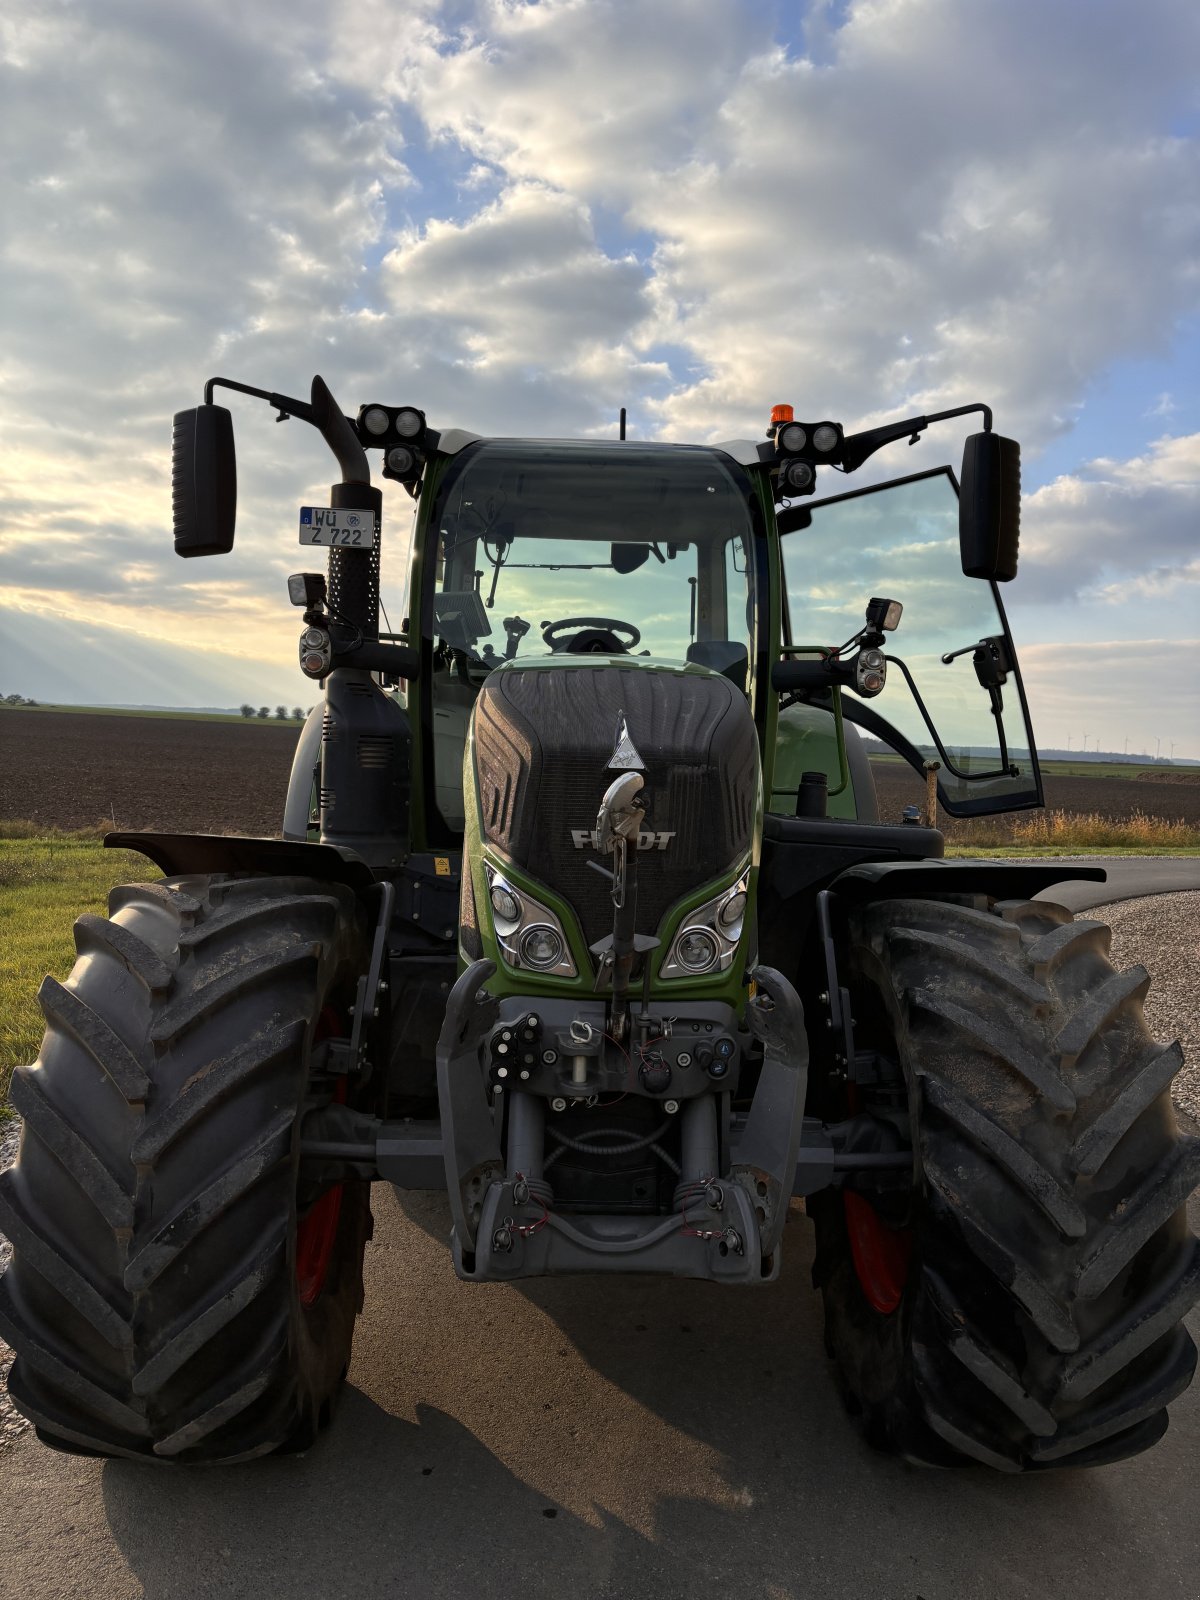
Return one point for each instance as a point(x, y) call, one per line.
point(73, 770)
point(69, 770)
point(1115, 798)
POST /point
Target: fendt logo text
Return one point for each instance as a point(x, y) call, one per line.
point(583, 837)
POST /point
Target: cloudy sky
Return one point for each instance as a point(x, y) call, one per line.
point(523, 216)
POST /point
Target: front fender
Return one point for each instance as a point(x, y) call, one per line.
point(306, 768)
point(178, 854)
point(1001, 880)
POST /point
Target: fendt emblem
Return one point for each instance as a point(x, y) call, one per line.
point(647, 840)
point(625, 757)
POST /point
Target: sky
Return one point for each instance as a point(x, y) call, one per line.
point(521, 217)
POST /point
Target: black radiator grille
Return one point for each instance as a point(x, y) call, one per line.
point(542, 743)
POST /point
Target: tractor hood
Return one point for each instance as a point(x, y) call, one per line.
point(548, 739)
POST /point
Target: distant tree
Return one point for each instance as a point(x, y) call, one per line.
point(297, 713)
point(247, 711)
point(31, 702)
point(14, 700)
point(264, 711)
point(281, 713)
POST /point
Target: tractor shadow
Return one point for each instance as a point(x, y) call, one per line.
point(689, 1440)
point(383, 1507)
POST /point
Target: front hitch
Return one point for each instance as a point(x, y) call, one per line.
point(470, 1143)
point(763, 1160)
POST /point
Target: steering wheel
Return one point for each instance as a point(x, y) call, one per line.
point(596, 635)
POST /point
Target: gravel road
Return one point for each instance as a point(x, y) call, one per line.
point(1162, 932)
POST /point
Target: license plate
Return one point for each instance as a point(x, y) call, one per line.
point(337, 525)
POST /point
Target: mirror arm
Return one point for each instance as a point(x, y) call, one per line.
point(858, 446)
point(281, 402)
point(322, 413)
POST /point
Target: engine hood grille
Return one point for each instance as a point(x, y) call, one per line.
point(543, 740)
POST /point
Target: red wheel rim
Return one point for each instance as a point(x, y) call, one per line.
point(316, 1233)
point(881, 1254)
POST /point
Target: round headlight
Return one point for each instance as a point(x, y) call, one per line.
point(797, 475)
point(376, 420)
point(408, 423)
point(400, 459)
point(793, 437)
point(506, 905)
point(733, 910)
point(541, 946)
point(696, 949)
point(825, 437)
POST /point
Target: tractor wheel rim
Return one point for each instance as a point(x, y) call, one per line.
point(881, 1254)
point(315, 1240)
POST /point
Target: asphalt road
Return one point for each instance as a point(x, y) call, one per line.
point(589, 1438)
point(1128, 878)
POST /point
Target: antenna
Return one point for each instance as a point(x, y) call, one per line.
point(622, 422)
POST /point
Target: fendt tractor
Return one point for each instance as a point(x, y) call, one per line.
point(582, 910)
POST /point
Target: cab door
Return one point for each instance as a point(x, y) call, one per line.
point(953, 694)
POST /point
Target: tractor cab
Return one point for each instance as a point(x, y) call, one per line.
point(537, 553)
point(542, 550)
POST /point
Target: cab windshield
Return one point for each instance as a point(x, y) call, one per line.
point(546, 548)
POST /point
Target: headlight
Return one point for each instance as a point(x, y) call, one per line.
point(506, 905)
point(731, 913)
point(376, 420)
point(825, 437)
point(709, 938)
point(408, 423)
point(400, 459)
point(541, 947)
point(697, 949)
point(791, 437)
point(530, 936)
point(796, 475)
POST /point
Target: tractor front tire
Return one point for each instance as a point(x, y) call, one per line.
point(174, 1295)
point(1023, 1307)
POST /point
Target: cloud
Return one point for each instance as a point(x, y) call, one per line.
point(878, 229)
point(523, 284)
point(1138, 689)
point(524, 216)
point(1115, 530)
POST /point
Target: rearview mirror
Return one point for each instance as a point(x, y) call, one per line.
point(629, 557)
point(203, 481)
point(989, 507)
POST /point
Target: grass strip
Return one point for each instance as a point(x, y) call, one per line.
point(45, 883)
point(1073, 832)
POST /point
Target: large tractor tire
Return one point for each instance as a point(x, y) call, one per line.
point(1021, 1305)
point(174, 1295)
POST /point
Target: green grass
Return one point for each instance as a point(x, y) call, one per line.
point(1074, 832)
point(45, 883)
point(174, 716)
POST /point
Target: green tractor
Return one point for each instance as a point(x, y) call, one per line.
point(583, 911)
